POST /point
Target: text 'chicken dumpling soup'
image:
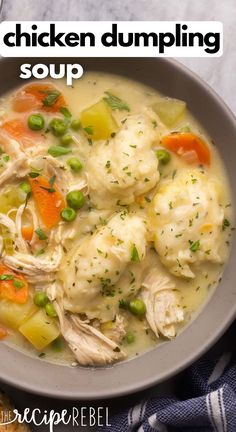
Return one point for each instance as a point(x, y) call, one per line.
point(115, 219)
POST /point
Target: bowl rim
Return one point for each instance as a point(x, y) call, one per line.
point(127, 387)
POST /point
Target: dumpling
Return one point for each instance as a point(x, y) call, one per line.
point(125, 166)
point(96, 265)
point(187, 221)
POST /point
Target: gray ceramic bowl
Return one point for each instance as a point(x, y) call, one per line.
point(35, 375)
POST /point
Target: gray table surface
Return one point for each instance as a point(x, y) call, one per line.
point(218, 72)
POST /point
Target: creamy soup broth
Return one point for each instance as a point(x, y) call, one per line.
point(192, 282)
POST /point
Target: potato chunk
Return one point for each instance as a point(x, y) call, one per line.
point(169, 110)
point(12, 315)
point(11, 197)
point(98, 121)
point(40, 330)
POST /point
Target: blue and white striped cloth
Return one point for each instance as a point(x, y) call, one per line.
point(206, 402)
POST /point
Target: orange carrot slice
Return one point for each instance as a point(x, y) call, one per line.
point(188, 146)
point(24, 102)
point(27, 232)
point(36, 96)
point(17, 128)
point(48, 199)
point(13, 285)
point(3, 333)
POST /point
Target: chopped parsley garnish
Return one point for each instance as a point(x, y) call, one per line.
point(134, 254)
point(123, 304)
point(18, 284)
point(50, 189)
point(102, 220)
point(34, 174)
point(41, 235)
point(107, 289)
point(67, 114)
point(52, 181)
point(195, 246)
point(115, 103)
point(174, 174)
point(6, 158)
point(51, 98)
point(39, 252)
point(5, 277)
point(226, 224)
point(89, 130)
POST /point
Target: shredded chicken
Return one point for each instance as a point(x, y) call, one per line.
point(117, 330)
point(162, 303)
point(54, 290)
point(9, 223)
point(54, 167)
point(36, 269)
point(30, 212)
point(17, 165)
point(90, 346)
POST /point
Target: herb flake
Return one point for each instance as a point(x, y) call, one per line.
point(116, 103)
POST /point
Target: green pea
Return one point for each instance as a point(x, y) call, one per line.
point(163, 156)
point(50, 310)
point(137, 307)
point(75, 199)
point(68, 214)
point(75, 124)
point(66, 139)
point(25, 187)
point(41, 299)
point(130, 338)
point(57, 151)
point(58, 126)
point(75, 164)
point(36, 122)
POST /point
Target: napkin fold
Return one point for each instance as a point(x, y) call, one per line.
point(206, 402)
